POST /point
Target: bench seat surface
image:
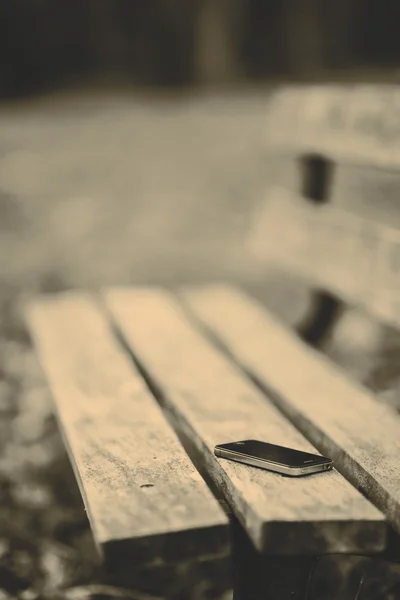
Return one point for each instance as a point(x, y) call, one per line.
point(338, 415)
point(210, 401)
point(144, 498)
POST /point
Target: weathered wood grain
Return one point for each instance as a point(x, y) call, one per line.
point(355, 257)
point(359, 123)
point(339, 416)
point(211, 402)
point(146, 502)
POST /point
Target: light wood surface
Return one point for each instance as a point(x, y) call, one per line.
point(211, 402)
point(358, 123)
point(371, 192)
point(145, 500)
point(355, 257)
point(339, 416)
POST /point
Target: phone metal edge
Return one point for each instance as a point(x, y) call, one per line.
point(271, 466)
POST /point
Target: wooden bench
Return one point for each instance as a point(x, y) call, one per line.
point(133, 370)
point(334, 156)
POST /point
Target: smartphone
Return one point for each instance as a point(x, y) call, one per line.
point(280, 459)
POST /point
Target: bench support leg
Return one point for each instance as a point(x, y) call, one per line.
point(188, 581)
point(325, 312)
point(328, 576)
point(261, 577)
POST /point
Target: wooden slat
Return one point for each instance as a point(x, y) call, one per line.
point(373, 193)
point(146, 502)
point(362, 189)
point(341, 418)
point(354, 257)
point(359, 123)
point(212, 402)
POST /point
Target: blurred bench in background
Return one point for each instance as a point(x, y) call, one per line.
point(331, 212)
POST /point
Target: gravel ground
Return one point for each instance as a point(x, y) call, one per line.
point(108, 186)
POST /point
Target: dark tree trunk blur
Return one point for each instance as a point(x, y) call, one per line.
point(180, 42)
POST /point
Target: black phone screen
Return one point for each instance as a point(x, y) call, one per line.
point(277, 454)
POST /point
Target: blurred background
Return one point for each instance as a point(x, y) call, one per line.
point(178, 42)
point(132, 150)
